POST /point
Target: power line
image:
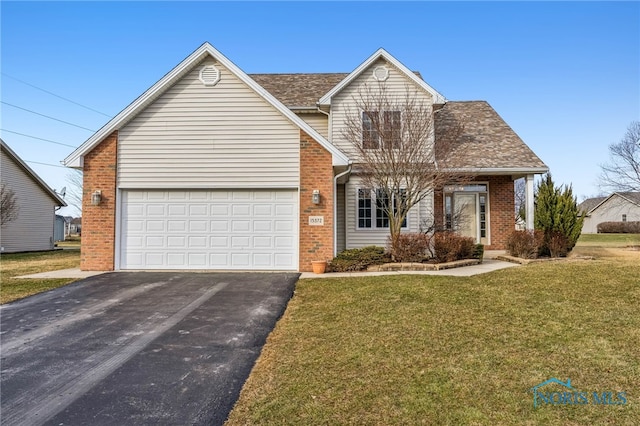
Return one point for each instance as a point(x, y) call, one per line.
point(35, 137)
point(57, 96)
point(44, 164)
point(46, 116)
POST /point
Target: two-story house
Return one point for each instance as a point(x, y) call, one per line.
point(212, 168)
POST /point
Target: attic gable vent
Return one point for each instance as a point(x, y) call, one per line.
point(381, 73)
point(209, 75)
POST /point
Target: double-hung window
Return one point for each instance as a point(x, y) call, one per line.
point(373, 207)
point(381, 129)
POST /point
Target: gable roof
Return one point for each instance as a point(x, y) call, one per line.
point(590, 203)
point(29, 172)
point(631, 197)
point(75, 159)
point(381, 53)
point(488, 144)
point(301, 91)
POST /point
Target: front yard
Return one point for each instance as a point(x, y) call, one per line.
point(447, 350)
point(13, 265)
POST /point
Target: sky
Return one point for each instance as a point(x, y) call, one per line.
point(564, 75)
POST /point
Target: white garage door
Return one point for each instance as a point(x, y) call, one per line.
point(209, 230)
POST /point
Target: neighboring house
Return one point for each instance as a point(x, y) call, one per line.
point(617, 207)
point(212, 168)
point(75, 227)
point(33, 229)
point(59, 228)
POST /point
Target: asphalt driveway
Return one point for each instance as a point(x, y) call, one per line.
point(136, 348)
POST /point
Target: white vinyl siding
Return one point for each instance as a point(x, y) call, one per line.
point(359, 237)
point(33, 228)
point(611, 211)
point(201, 136)
point(222, 229)
point(319, 121)
point(343, 103)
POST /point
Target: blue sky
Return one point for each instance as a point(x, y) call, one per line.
point(564, 75)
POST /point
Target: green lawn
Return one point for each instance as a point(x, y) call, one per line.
point(12, 265)
point(453, 351)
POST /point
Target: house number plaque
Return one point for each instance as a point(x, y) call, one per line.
point(316, 220)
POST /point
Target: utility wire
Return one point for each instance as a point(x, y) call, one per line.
point(57, 96)
point(46, 116)
point(35, 137)
point(44, 164)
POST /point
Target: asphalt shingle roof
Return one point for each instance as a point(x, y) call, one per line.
point(632, 196)
point(487, 141)
point(298, 90)
point(588, 204)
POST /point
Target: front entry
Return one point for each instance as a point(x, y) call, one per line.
point(466, 211)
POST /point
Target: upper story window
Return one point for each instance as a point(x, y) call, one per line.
point(381, 129)
point(624, 217)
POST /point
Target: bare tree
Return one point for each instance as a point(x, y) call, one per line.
point(622, 173)
point(398, 154)
point(9, 207)
point(74, 193)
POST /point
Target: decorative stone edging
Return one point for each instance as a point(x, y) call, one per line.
point(422, 266)
point(523, 261)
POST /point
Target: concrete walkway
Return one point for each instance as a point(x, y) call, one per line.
point(64, 273)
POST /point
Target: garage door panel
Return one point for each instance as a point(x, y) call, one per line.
point(209, 230)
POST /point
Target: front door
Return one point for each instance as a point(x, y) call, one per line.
point(467, 215)
point(466, 211)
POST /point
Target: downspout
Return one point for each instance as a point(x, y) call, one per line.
point(335, 208)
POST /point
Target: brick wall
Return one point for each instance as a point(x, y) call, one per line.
point(99, 222)
point(501, 209)
point(316, 172)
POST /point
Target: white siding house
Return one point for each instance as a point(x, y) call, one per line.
point(33, 229)
point(617, 207)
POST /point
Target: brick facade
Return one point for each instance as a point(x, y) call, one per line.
point(99, 222)
point(316, 172)
point(501, 209)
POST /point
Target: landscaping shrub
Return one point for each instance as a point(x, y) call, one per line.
point(556, 210)
point(557, 244)
point(411, 247)
point(619, 228)
point(358, 259)
point(525, 244)
point(478, 252)
point(448, 246)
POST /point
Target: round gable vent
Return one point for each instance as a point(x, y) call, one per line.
point(381, 73)
point(209, 75)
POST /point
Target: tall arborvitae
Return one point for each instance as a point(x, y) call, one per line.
point(557, 215)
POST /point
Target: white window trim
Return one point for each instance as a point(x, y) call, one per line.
point(373, 213)
point(488, 207)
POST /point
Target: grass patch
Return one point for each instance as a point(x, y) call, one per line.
point(17, 264)
point(71, 241)
point(413, 349)
point(608, 240)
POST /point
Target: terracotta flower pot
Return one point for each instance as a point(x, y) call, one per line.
point(319, 266)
